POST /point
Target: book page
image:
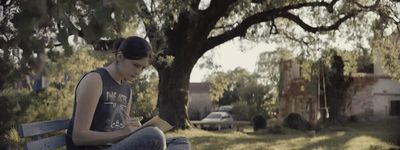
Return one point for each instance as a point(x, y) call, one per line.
point(157, 122)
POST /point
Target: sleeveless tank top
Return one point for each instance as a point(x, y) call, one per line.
point(111, 110)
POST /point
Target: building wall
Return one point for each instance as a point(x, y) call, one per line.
point(360, 98)
point(372, 101)
point(200, 105)
point(290, 72)
point(378, 70)
point(368, 97)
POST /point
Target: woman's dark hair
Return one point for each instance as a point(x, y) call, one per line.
point(133, 47)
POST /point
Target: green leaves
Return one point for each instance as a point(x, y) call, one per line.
point(387, 51)
point(242, 89)
point(219, 84)
point(268, 65)
point(145, 91)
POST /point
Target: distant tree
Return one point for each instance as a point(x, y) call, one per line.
point(241, 85)
point(219, 84)
point(224, 85)
point(144, 96)
point(268, 65)
point(387, 51)
point(358, 60)
point(336, 85)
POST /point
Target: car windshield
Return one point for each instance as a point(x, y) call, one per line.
point(225, 108)
point(214, 116)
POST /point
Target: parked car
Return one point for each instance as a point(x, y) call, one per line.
point(226, 108)
point(215, 118)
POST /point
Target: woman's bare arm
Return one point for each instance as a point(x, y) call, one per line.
point(87, 96)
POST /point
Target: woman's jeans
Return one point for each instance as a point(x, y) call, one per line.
point(150, 138)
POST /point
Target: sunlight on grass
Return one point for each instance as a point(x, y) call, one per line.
point(366, 142)
point(201, 139)
point(344, 137)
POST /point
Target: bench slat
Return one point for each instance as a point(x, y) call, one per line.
point(47, 143)
point(39, 128)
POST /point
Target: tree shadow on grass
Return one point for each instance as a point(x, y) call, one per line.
point(222, 142)
point(387, 131)
point(331, 138)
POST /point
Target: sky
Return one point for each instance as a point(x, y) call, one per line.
point(230, 55)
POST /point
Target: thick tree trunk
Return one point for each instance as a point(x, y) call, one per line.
point(174, 94)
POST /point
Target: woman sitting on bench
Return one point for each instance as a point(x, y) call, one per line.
point(103, 101)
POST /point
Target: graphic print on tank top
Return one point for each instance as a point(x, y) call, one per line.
point(119, 103)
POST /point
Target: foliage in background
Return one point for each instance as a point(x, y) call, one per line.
point(244, 91)
point(268, 65)
point(34, 28)
point(269, 68)
point(387, 50)
point(22, 105)
point(144, 96)
point(356, 61)
point(336, 84)
point(218, 83)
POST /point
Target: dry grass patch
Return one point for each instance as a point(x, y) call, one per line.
point(351, 136)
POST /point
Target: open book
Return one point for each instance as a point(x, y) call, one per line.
point(156, 121)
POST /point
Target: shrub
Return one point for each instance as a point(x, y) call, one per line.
point(259, 122)
point(241, 110)
point(296, 121)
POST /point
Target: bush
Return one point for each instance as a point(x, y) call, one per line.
point(19, 106)
point(276, 130)
point(241, 110)
point(296, 121)
point(22, 106)
point(259, 122)
point(144, 97)
point(13, 140)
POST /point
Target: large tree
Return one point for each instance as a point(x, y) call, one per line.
point(180, 32)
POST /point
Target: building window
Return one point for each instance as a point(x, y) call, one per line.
point(395, 108)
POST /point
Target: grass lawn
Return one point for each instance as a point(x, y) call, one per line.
point(377, 135)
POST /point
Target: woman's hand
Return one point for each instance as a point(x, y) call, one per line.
point(132, 124)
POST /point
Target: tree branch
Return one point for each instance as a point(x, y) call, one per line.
point(257, 1)
point(224, 26)
point(194, 4)
point(270, 15)
point(239, 30)
point(210, 17)
point(152, 32)
point(273, 29)
point(372, 7)
point(300, 41)
point(148, 21)
point(309, 28)
point(328, 6)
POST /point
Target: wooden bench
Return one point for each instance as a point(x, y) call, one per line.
point(40, 134)
point(236, 124)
